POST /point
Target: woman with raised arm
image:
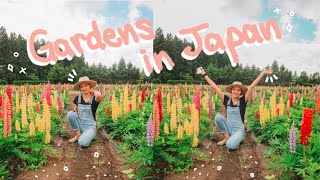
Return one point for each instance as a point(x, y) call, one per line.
point(235, 101)
point(83, 117)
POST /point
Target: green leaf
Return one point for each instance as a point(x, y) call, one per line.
point(270, 177)
point(128, 171)
point(130, 176)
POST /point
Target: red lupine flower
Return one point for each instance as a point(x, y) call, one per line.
point(48, 94)
point(140, 106)
point(130, 107)
point(110, 98)
point(159, 101)
point(287, 112)
point(142, 95)
point(188, 110)
point(108, 111)
point(257, 115)
point(196, 99)
point(290, 99)
point(278, 111)
point(306, 126)
point(9, 94)
point(37, 107)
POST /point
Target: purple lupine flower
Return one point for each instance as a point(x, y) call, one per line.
point(150, 133)
point(292, 140)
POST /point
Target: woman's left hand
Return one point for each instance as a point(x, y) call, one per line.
point(267, 71)
point(91, 91)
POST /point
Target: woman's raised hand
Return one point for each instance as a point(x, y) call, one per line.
point(200, 70)
point(267, 71)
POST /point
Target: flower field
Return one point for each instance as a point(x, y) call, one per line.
point(157, 129)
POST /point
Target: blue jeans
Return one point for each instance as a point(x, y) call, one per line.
point(236, 135)
point(88, 129)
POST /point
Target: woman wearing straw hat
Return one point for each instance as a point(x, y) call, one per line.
point(82, 119)
point(235, 101)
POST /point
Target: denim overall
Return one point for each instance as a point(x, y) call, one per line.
point(83, 121)
point(233, 125)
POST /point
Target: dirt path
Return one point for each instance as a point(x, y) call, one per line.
point(223, 164)
point(80, 162)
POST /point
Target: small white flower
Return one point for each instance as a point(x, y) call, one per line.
point(57, 174)
point(108, 162)
point(187, 177)
point(245, 166)
point(252, 175)
point(210, 153)
point(193, 177)
point(207, 174)
point(94, 166)
point(202, 165)
point(66, 168)
point(212, 159)
point(194, 169)
point(54, 164)
point(250, 156)
point(44, 170)
point(115, 176)
point(96, 154)
point(256, 162)
point(36, 176)
point(219, 168)
point(87, 175)
point(104, 175)
point(47, 176)
point(199, 173)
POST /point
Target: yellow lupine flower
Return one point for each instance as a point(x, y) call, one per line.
point(195, 141)
point(166, 128)
point(31, 128)
point(38, 122)
point(180, 132)
point(30, 104)
point(18, 125)
point(125, 100)
point(173, 119)
point(168, 103)
point(24, 112)
point(134, 100)
point(48, 138)
point(17, 102)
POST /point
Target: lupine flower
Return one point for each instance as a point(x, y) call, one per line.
point(159, 100)
point(166, 128)
point(150, 133)
point(292, 140)
point(306, 126)
point(108, 111)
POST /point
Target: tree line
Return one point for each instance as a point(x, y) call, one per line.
point(217, 66)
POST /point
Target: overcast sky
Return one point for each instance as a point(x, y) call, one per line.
point(298, 50)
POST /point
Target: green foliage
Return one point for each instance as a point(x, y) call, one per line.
point(168, 153)
point(306, 161)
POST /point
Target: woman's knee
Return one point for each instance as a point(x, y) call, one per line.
point(232, 145)
point(218, 118)
point(71, 115)
point(86, 137)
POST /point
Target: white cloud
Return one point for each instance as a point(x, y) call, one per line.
point(173, 15)
point(65, 18)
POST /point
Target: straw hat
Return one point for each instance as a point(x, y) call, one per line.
point(237, 84)
point(83, 80)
